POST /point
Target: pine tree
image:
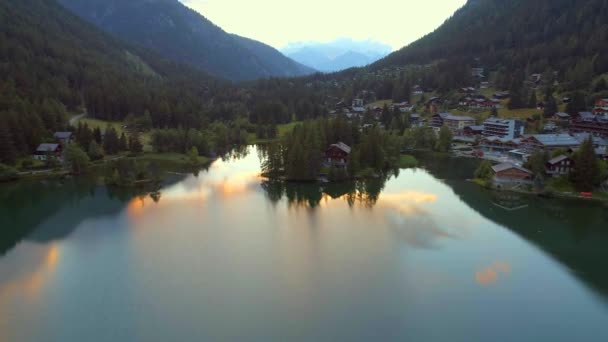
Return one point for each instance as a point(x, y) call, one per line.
point(445, 139)
point(585, 167)
point(111, 143)
point(94, 151)
point(533, 102)
point(8, 153)
point(135, 145)
point(122, 143)
point(577, 104)
point(550, 107)
point(97, 135)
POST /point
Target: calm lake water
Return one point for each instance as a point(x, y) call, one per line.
point(422, 256)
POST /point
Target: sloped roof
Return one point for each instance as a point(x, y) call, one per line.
point(597, 141)
point(499, 121)
point(342, 146)
point(507, 166)
point(556, 139)
point(586, 115)
point(458, 118)
point(47, 147)
point(558, 159)
point(63, 135)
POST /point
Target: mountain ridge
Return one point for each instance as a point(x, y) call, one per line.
point(337, 55)
point(183, 35)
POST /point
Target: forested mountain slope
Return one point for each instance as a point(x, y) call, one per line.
point(562, 35)
point(183, 35)
point(52, 63)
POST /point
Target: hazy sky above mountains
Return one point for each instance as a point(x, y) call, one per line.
point(278, 22)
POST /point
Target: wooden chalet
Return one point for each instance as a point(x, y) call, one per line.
point(601, 107)
point(337, 154)
point(559, 166)
point(65, 138)
point(44, 151)
point(508, 174)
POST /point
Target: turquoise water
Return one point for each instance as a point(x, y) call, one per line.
point(225, 255)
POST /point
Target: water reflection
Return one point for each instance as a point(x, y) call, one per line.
point(311, 195)
point(227, 244)
point(492, 274)
point(573, 232)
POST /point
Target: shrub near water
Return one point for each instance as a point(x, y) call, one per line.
point(8, 173)
point(408, 162)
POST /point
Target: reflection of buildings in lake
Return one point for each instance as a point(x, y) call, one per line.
point(508, 200)
point(577, 237)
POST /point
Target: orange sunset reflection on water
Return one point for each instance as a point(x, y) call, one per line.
point(27, 282)
point(492, 274)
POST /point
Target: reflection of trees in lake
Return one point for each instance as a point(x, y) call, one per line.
point(363, 192)
point(236, 153)
point(31, 209)
point(573, 232)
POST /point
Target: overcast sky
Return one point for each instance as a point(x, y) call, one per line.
point(278, 22)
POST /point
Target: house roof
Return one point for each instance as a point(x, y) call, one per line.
point(562, 115)
point(47, 147)
point(498, 121)
point(597, 141)
point(342, 146)
point(444, 115)
point(586, 115)
point(476, 127)
point(458, 118)
point(556, 139)
point(558, 159)
point(507, 166)
point(62, 135)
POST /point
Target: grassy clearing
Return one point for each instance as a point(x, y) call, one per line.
point(523, 113)
point(380, 103)
point(102, 125)
point(119, 127)
point(561, 184)
point(407, 161)
point(287, 128)
point(171, 157)
point(282, 131)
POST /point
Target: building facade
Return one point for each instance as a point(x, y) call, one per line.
point(503, 128)
point(454, 122)
point(337, 154)
point(601, 107)
point(559, 166)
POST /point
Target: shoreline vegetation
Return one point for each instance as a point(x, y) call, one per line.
point(300, 156)
point(132, 152)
